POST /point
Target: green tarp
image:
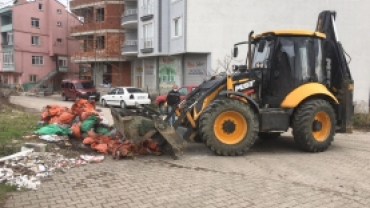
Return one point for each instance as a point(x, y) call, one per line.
point(102, 130)
point(53, 129)
point(89, 123)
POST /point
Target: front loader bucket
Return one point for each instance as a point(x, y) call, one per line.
point(138, 127)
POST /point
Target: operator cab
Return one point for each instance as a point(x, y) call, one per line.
point(282, 60)
point(287, 59)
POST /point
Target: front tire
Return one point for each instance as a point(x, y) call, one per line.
point(229, 127)
point(65, 98)
point(314, 125)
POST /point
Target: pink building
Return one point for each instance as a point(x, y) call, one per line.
point(35, 43)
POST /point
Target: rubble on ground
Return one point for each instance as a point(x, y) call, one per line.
point(86, 123)
point(28, 168)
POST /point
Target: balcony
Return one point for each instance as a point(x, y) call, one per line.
point(129, 19)
point(7, 28)
point(148, 12)
point(93, 27)
point(6, 21)
point(147, 45)
point(8, 67)
point(96, 56)
point(7, 44)
point(129, 47)
point(81, 4)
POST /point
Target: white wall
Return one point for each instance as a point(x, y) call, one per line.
point(213, 26)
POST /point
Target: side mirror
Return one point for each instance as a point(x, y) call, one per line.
point(236, 52)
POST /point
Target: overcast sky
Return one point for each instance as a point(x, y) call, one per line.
point(64, 2)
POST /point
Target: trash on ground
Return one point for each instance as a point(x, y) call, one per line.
point(53, 138)
point(86, 123)
point(27, 169)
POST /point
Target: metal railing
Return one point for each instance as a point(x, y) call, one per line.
point(147, 42)
point(148, 9)
point(129, 12)
point(130, 42)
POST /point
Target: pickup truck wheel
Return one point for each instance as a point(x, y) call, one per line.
point(162, 108)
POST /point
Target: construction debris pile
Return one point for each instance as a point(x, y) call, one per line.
point(27, 169)
point(84, 122)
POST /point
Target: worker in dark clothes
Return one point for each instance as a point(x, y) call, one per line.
point(173, 100)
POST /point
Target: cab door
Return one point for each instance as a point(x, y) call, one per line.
point(293, 66)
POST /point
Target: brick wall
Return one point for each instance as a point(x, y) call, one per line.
point(112, 18)
point(113, 42)
point(121, 74)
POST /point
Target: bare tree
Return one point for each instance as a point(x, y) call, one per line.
point(224, 65)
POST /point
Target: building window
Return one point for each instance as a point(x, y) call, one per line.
point(100, 40)
point(148, 35)
point(33, 78)
point(84, 46)
point(100, 14)
point(147, 7)
point(37, 60)
point(35, 22)
point(177, 27)
point(62, 62)
point(8, 58)
point(59, 40)
point(35, 40)
point(9, 39)
point(59, 11)
point(40, 7)
point(59, 23)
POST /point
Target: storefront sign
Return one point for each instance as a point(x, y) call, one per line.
point(195, 67)
point(149, 69)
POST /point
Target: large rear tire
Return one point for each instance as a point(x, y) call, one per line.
point(314, 125)
point(229, 127)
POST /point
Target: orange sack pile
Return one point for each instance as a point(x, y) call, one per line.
point(83, 109)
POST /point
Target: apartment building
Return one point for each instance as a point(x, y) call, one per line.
point(182, 41)
point(156, 41)
point(35, 45)
point(101, 37)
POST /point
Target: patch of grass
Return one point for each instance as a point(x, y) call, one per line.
point(362, 121)
point(4, 189)
point(13, 125)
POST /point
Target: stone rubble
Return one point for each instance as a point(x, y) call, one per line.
point(28, 170)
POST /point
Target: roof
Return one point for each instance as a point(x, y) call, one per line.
point(292, 32)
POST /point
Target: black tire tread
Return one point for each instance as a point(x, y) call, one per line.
point(207, 121)
point(302, 125)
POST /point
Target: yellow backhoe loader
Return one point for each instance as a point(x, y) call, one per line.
point(296, 79)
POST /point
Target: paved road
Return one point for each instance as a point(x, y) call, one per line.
point(273, 174)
